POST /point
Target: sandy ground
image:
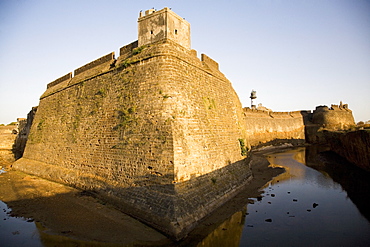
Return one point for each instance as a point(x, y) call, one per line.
point(68, 215)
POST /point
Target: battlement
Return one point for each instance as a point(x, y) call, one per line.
point(209, 61)
point(271, 114)
point(163, 24)
point(126, 51)
point(66, 77)
point(107, 58)
point(340, 107)
point(335, 117)
point(153, 27)
point(127, 54)
point(89, 70)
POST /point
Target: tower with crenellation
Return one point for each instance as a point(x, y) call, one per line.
point(164, 24)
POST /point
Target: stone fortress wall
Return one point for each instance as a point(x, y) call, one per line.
point(7, 138)
point(157, 131)
point(335, 117)
point(265, 126)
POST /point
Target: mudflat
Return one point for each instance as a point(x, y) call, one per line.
point(65, 214)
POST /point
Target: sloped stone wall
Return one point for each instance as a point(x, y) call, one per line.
point(142, 132)
point(7, 138)
point(334, 118)
point(352, 145)
point(263, 126)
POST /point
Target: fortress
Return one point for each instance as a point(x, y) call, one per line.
point(158, 132)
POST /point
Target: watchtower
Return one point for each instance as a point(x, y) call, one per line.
point(155, 25)
point(253, 97)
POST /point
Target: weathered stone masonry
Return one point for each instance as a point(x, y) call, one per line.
point(264, 126)
point(158, 132)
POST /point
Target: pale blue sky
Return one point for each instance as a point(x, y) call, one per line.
point(296, 54)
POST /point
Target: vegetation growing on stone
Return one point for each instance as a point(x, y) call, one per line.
point(40, 124)
point(243, 148)
point(125, 117)
point(209, 103)
point(102, 92)
point(138, 50)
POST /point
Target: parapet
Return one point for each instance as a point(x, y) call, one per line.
point(333, 107)
point(126, 51)
point(209, 61)
point(321, 108)
point(337, 117)
point(66, 77)
point(89, 70)
point(280, 115)
point(107, 58)
point(271, 114)
point(340, 107)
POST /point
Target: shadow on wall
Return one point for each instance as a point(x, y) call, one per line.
point(21, 139)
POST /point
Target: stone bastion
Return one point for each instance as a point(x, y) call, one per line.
point(158, 132)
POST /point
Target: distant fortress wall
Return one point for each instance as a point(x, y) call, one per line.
point(265, 126)
point(335, 118)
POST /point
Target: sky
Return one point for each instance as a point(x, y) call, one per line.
point(297, 54)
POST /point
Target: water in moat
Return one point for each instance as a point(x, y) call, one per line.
point(17, 231)
point(318, 201)
point(311, 204)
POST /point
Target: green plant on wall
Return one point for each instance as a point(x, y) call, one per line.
point(243, 148)
point(165, 96)
point(40, 125)
point(209, 103)
point(102, 93)
point(36, 136)
point(126, 117)
point(138, 50)
point(126, 63)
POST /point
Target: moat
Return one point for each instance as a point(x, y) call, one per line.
point(318, 201)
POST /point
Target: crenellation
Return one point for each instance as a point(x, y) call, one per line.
point(126, 51)
point(334, 107)
point(148, 12)
point(64, 78)
point(160, 25)
point(336, 117)
point(209, 61)
point(104, 59)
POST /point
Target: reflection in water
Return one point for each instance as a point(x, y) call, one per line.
point(17, 231)
point(323, 203)
point(304, 207)
point(353, 180)
point(226, 234)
